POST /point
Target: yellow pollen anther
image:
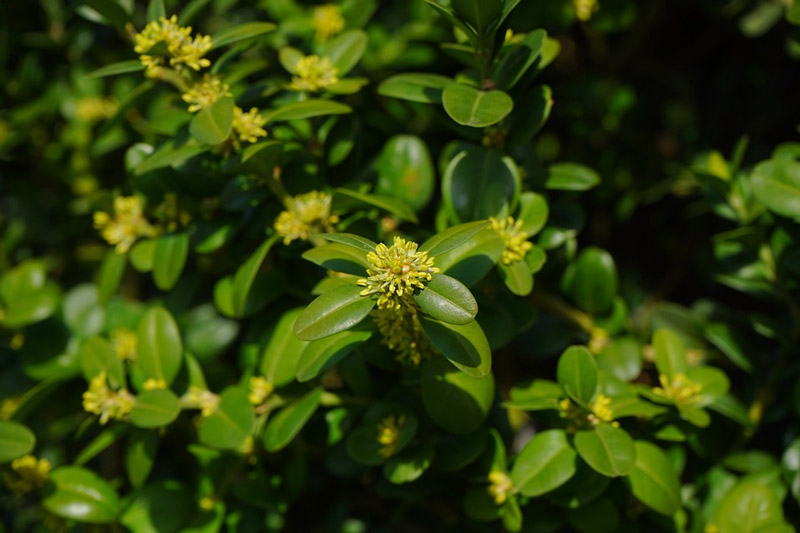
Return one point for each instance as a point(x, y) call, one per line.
point(27, 474)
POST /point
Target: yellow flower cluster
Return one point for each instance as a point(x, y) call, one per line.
point(395, 272)
point(389, 433)
point(314, 74)
point(601, 412)
point(27, 474)
point(501, 486)
point(101, 400)
point(205, 92)
point(402, 332)
point(197, 398)
point(124, 342)
point(94, 108)
point(327, 21)
point(515, 239)
point(260, 389)
point(680, 389)
point(584, 9)
point(183, 50)
point(249, 126)
point(127, 225)
point(154, 384)
point(308, 214)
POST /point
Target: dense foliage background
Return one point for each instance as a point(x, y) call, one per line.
point(648, 379)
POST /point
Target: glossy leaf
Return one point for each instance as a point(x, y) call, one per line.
point(472, 107)
point(608, 450)
point(155, 408)
point(82, 495)
point(670, 353)
point(159, 353)
point(592, 282)
point(776, 184)
point(169, 258)
point(332, 312)
point(653, 479)
point(571, 177)
point(16, 440)
point(424, 88)
point(322, 354)
point(464, 345)
point(246, 275)
point(283, 351)
point(479, 13)
point(231, 423)
point(387, 203)
point(447, 299)
point(409, 465)
point(213, 124)
point(479, 184)
point(110, 274)
point(405, 171)
point(517, 277)
point(345, 50)
point(546, 462)
point(577, 374)
point(455, 400)
point(284, 427)
point(452, 238)
point(97, 355)
point(519, 59)
point(120, 67)
point(307, 109)
point(338, 257)
point(240, 32)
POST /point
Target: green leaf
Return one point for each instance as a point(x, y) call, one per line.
point(140, 455)
point(670, 353)
point(577, 374)
point(571, 177)
point(16, 440)
point(516, 62)
point(537, 395)
point(592, 282)
point(387, 203)
point(163, 507)
point(517, 277)
point(261, 158)
point(110, 275)
point(452, 238)
point(169, 258)
point(608, 450)
point(120, 67)
point(480, 183)
point(730, 342)
point(455, 400)
point(240, 32)
point(282, 353)
point(156, 10)
point(26, 295)
point(338, 257)
point(345, 50)
point(307, 109)
point(469, 106)
point(284, 427)
point(321, 354)
point(464, 345)
point(355, 241)
point(83, 496)
point(479, 13)
point(714, 382)
point(83, 313)
point(405, 171)
point(100, 443)
point(546, 462)
point(424, 88)
point(363, 444)
point(470, 261)
point(289, 57)
point(231, 423)
point(409, 465)
point(447, 299)
point(776, 184)
point(533, 212)
point(654, 481)
point(159, 350)
point(111, 11)
point(155, 408)
point(622, 357)
point(478, 505)
point(213, 124)
point(750, 507)
point(168, 155)
point(450, 15)
point(332, 312)
point(97, 355)
point(246, 276)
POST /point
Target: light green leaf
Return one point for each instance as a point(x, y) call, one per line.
point(283, 351)
point(16, 440)
point(83, 496)
point(159, 350)
point(577, 374)
point(120, 67)
point(670, 353)
point(409, 465)
point(571, 177)
point(776, 184)
point(338, 257)
point(608, 450)
point(345, 50)
point(592, 281)
point(231, 423)
point(110, 274)
point(97, 355)
point(332, 312)
point(284, 427)
point(322, 354)
point(451, 238)
point(469, 106)
point(424, 88)
point(479, 13)
point(240, 32)
point(169, 258)
point(155, 408)
point(405, 171)
point(213, 124)
point(750, 507)
point(387, 203)
point(517, 277)
point(307, 109)
point(546, 462)
point(654, 481)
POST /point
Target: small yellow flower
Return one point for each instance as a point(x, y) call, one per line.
point(178, 39)
point(27, 474)
point(101, 400)
point(501, 486)
point(154, 384)
point(260, 389)
point(197, 398)
point(206, 92)
point(680, 389)
point(402, 332)
point(248, 126)
point(515, 239)
point(8, 406)
point(600, 410)
point(308, 214)
point(396, 271)
point(127, 225)
point(93, 108)
point(389, 430)
point(125, 342)
point(327, 21)
point(584, 9)
point(314, 74)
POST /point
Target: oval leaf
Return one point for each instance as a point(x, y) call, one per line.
point(231, 423)
point(463, 345)
point(82, 495)
point(454, 400)
point(577, 374)
point(285, 426)
point(155, 408)
point(469, 106)
point(169, 258)
point(776, 184)
point(213, 124)
point(545, 463)
point(15, 440)
point(654, 481)
point(608, 450)
point(159, 352)
point(336, 310)
point(448, 300)
point(322, 354)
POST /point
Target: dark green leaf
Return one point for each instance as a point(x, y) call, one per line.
point(155, 408)
point(322, 354)
point(169, 258)
point(387, 203)
point(454, 400)
point(120, 67)
point(16, 440)
point(447, 299)
point(332, 312)
point(231, 423)
point(307, 109)
point(97, 355)
point(654, 481)
point(285, 426)
point(463, 345)
point(82, 496)
point(159, 350)
point(280, 357)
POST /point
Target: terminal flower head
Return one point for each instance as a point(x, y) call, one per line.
point(501, 486)
point(396, 271)
point(313, 74)
point(127, 224)
point(327, 21)
point(204, 93)
point(181, 47)
point(308, 215)
point(101, 400)
point(680, 389)
point(27, 474)
point(514, 238)
point(249, 126)
point(600, 410)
